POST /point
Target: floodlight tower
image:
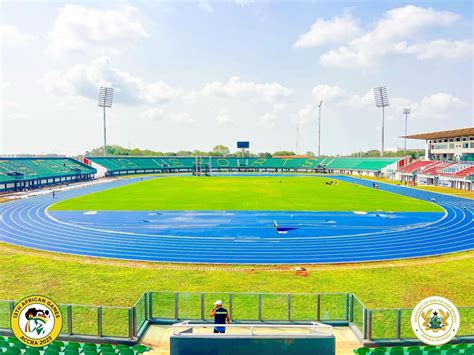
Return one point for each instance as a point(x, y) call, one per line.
point(381, 100)
point(406, 112)
point(319, 129)
point(105, 100)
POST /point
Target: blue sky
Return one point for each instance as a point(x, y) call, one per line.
point(193, 74)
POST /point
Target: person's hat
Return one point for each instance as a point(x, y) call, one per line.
point(218, 303)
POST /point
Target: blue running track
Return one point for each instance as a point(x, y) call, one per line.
point(240, 237)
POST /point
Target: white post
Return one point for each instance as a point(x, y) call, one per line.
point(105, 136)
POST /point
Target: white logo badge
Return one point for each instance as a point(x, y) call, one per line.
point(435, 320)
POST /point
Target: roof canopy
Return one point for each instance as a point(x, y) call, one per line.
point(443, 134)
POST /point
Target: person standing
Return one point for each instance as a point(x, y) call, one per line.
point(221, 316)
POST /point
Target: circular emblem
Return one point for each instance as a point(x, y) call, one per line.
point(435, 320)
point(36, 321)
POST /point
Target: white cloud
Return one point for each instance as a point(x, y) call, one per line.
point(441, 48)
point(10, 35)
point(78, 28)
point(205, 5)
point(273, 93)
point(360, 101)
point(392, 34)
point(305, 114)
point(154, 114)
point(335, 30)
point(223, 118)
point(243, 2)
point(436, 106)
point(182, 117)
point(84, 80)
point(267, 120)
point(327, 93)
point(4, 86)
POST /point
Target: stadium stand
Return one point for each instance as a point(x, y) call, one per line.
point(12, 346)
point(457, 175)
point(26, 173)
point(137, 165)
point(446, 349)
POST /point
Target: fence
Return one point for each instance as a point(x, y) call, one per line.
point(129, 323)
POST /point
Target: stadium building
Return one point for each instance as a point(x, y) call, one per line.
point(448, 162)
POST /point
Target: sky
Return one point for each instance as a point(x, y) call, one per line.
point(193, 74)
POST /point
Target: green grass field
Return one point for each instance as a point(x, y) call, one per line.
point(245, 193)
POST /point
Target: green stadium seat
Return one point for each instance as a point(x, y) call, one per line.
point(469, 351)
point(59, 343)
point(32, 351)
point(446, 346)
point(13, 351)
point(363, 350)
point(73, 345)
point(413, 348)
point(122, 346)
point(453, 351)
point(139, 349)
point(434, 351)
point(89, 346)
point(19, 345)
point(71, 351)
point(377, 352)
point(415, 352)
point(105, 345)
point(461, 346)
point(90, 352)
point(397, 352)
point(51, 351)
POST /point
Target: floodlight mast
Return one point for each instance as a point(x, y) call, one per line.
point(105, 100)
point(381, 100)
point(406, 112)
point(319, 129)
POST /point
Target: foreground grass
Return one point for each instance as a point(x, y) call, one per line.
point(244, 193)
point(439, 189)
point(79, 280)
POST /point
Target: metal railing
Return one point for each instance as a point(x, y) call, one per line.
point(129, 323)
point(251, 307)
point(312, 329)
point(84, 321)
point(395, 323)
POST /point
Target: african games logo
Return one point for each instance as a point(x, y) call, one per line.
point(435, 320)
point(36, 321)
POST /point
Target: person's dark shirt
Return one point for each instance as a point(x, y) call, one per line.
point(221, 315)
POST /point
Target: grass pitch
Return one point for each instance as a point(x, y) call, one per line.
point(245, 194)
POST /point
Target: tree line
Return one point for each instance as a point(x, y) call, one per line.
point(224, 151)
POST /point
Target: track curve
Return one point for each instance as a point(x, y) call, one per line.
point(27, 223)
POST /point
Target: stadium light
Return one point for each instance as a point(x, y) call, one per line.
point(381, 100)
point(406, 112)
point(319, 129)
point(105, 100)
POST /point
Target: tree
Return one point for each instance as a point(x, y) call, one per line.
point(283, 153)
point(220, 150)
